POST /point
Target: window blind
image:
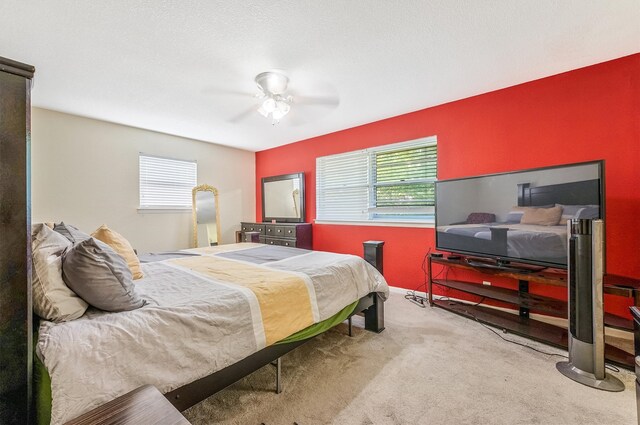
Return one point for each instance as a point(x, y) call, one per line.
point(342, 186)
point(166, 182)
point(394, 181)
point(405, 178)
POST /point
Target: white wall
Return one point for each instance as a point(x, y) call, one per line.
point(85, 172)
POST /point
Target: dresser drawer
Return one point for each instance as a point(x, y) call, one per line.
point(296, 235)
point(280, 231)
point(288, 242)
point(253, 227)
point(270, 229)
point(269, 241)
point(289, 232)
point(277, 241)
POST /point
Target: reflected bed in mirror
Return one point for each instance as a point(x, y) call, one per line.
point(283, 198)
point(206, 216)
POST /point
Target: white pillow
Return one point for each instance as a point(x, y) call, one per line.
point(52, 299)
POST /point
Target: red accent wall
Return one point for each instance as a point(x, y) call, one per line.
point(586, 114)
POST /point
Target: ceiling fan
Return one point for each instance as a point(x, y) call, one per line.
point(276, 100)
point(274, 103)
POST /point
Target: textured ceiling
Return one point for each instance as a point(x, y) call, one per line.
point(177, 66)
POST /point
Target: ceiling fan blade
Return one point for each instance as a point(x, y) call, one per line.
point(294, 119)
point(243, 115)
point(216, 91)
point(302, 115)
point(331, 101)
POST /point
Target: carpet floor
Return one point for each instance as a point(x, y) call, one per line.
point(429, 366)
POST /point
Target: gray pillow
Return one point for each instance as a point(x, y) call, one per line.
point(100, 276)
point(71, 232)
point(590, 211)
point(578, 211)
point(514, 216)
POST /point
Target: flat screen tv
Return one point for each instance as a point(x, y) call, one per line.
point(520, 216)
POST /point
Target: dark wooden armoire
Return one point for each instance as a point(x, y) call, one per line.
point(15, 243)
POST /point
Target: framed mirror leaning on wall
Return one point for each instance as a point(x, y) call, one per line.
point(206, 216)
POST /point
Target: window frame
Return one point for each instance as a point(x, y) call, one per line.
point(156, 208)
point(382, 216)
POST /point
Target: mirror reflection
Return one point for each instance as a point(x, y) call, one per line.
point(206, 216)
point(283, 198)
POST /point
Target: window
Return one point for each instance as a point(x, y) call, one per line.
point(166, 183)
point(386, 183)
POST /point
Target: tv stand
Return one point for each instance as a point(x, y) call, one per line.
point(523, 301)
point(503, 265)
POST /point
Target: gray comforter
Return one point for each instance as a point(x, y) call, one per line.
point(194, 324)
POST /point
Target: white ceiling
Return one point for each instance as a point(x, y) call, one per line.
point(174, 66)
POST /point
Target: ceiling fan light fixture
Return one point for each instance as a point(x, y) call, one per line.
point(274, 82)
point(283, 107)
point(262, 112)
point(269, 104)
point(272, 85)
point(277, 115)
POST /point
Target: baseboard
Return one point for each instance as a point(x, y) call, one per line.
point(403, 291)
point(557, 321)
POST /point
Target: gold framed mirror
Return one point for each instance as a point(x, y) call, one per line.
point(206, 216)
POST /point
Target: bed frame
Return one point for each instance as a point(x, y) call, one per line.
point(575, 193)
point(190, 394)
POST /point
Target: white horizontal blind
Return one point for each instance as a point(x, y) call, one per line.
point(342, 186)
point(166, 183)
point(391, 182)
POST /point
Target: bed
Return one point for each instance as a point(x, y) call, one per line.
point(514, 240)
point(545, 243)
point(214, 315)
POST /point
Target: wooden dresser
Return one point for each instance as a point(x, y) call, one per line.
point(15, 249)
point(286, 234)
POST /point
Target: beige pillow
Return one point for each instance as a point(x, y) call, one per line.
point(119, 244)
point(52, 299)
point(542, 216)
